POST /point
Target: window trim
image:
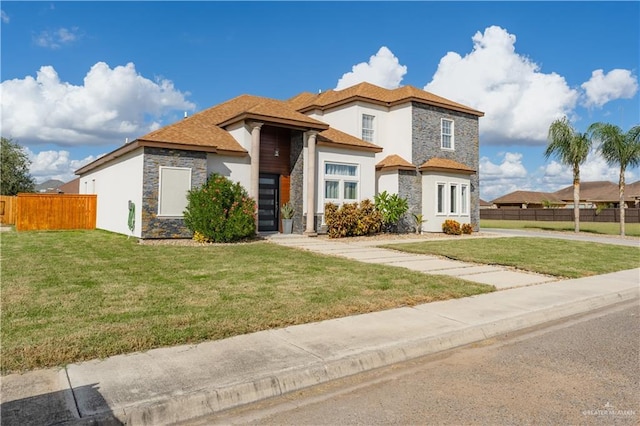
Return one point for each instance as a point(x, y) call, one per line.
point(160, 212)
point(442, 212)
point(372, 129)
point(341, 179)
point(451, 135)
point(464, 199)
point(453, 199)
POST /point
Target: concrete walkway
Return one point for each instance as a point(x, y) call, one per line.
point(365, 251)
point(169, 385)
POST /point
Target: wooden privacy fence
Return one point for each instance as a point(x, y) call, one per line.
point(8, 209)
point(55, 211)
point(631, 215)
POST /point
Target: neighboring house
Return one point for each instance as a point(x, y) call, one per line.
point(71, 187)
point(597, 193)
point(528, 199)
point(333, 147)
point(632, 193)
point(486, 205)
point(50, 185)
point(592, 195)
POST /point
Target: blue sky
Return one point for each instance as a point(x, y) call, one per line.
point(80, 77)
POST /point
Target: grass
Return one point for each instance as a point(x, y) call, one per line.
point(78, 295)
point(563, 258)
point(631, 229)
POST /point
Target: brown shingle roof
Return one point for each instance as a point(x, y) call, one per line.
point(333, 136)
point(71, 187)
point(592, 191)
point(632, 190)
point(395, 162)
point(375, 94)
point(205, 129)
point(528, 197)
point(443, 164)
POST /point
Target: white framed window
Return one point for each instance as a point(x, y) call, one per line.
point(174, 184)
point(464, 199)
point(440, 198)
point(341, 182)
point(367, 127)
point(446, 134)
point(453, 198)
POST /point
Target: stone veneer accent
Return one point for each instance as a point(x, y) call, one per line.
point(152, 225)
point(426, 145)
point(410, 187)
point(296, 181)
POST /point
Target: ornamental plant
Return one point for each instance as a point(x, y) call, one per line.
point(451, 227)
point(220, 211)
point(352, 219)
point(392, 207)
point(467, 229)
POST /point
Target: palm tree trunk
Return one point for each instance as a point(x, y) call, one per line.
point(622, 205)
point(576, 198)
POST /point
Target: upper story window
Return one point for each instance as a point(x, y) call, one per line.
point(341, 182)
point(446, 139)
point(367, 127)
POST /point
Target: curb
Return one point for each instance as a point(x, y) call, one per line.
point(208, 401)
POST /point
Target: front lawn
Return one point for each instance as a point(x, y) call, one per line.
point(78, 295)
point(572, 259)
point(607, 228)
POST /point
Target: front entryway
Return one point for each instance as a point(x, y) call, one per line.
point(268, 200)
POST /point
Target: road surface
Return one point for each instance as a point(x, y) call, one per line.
point(584, 370)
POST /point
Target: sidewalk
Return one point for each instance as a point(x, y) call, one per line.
point(169, 385)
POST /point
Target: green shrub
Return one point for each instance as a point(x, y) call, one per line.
point(352, 219)
point(220, 211)
point(392, 207)
point(451, 227)
point(467, 229)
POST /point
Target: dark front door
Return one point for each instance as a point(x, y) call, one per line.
point(268, 202)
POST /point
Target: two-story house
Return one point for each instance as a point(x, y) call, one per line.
point(337, 146)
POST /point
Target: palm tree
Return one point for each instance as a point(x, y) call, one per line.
point(570, 148)
point(618, 148)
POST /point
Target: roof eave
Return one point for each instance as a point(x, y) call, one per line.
point(447, 170)
point(348, 146)
point(298, 124)
point(118, 152)
point(395, 167)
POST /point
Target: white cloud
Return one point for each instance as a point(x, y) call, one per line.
point(518, 99)
point(110, 105)
point(557, 176)
point(507, 176)
point(58, 165)
point(511, 175)
point(4, 17)
point(383, 69)
point(56, 39)
point(602, 88)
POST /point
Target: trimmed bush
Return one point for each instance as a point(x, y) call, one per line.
point(467, 229)
point(451, 227)
point(220, 211)
point(352, 219)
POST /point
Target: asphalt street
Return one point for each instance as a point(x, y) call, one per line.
point(583, 370)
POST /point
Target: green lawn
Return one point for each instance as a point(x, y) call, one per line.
point(631, 229)
point(78, 295)
point(562, 258)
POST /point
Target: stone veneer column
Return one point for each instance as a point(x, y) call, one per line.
point(255, 165)
point(311, 184)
